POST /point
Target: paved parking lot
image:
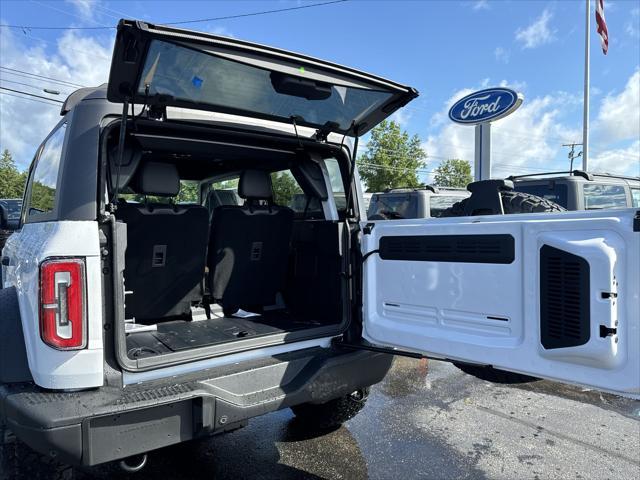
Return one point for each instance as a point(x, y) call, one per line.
point(428, 420)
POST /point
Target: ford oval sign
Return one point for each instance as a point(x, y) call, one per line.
point(485, 106)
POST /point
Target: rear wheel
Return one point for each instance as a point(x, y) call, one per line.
point(512, 202)
point(330, 415)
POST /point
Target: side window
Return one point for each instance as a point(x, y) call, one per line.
point(188, 192)
point(337, 185)
point(286, 190)
point(635, 197)
point(42, 191)
point(556, 192)
point(222, 192)
point(598, 196)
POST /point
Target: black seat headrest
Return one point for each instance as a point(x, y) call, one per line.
point(255, 184)
point(159, 179)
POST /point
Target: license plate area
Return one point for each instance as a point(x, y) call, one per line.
point(138, 431)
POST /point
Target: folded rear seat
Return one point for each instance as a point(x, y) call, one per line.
point(166, 248)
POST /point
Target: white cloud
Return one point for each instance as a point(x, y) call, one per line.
point(527, 141)
point(618, 160)
point(84, 7)
point(78, 59)
point(481, 5)
point(502, 54)
point(619, 114)
point(401, 117)
point(537, 33)
point(530, 140)
point(219, 30)
point(632, 26)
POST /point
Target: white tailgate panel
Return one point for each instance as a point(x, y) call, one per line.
point(29, 247)
point(490, 313)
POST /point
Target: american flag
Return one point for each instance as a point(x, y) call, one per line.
point(602, 26)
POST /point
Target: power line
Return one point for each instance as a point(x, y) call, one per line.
point(26, 84)
point(27, 98)
point(40, 39)
point(51, 79)
point(67, 12)
point(31, 94)
point(183, 22)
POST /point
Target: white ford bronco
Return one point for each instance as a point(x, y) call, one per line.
point(134, 316)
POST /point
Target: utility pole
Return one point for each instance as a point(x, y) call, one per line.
point(572, 156)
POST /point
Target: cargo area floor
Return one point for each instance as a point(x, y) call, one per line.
point(178, 335)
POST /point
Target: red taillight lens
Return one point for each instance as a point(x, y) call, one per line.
point(62, 304)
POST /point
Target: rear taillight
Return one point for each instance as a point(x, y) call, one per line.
point(62, 304)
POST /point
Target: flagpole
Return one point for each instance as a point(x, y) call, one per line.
point(585, 117)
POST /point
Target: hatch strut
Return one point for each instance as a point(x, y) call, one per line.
point(352, 173)
point(121, 138)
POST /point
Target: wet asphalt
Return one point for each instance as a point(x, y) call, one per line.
point(428, 420)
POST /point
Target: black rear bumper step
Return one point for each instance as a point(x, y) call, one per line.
point(97, 426)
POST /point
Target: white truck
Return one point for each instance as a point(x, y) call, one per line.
point(130, 321)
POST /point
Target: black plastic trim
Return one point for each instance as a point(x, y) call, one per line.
point(565, 316)
point(498, 249)
point(14, 366)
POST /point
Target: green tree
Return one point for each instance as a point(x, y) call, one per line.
point(453, 173)
point(188, 192)
point(392, 158)
point(284, 187)
point(11, 179)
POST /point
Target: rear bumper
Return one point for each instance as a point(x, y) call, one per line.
point(93, 427)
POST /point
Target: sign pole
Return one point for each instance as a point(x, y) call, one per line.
point(482, 160)
point(585, 116)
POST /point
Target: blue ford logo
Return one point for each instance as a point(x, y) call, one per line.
point(485, 105)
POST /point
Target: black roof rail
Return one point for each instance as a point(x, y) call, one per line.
point(575, 173)
point(412, 189)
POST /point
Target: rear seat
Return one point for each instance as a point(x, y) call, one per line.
point(249, 247)
point(166, 248)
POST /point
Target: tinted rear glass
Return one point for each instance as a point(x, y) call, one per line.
point(439, 203)
point(204, 78)
point(597, 196)
point(389, 207)
point(555, 192)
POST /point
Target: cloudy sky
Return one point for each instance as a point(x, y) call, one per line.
point(443, 48)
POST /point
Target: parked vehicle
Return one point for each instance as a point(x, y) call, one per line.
point(130, 325)
point(423, 202)
point(9, 217)
point(578, 190)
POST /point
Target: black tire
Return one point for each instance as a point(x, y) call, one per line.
point(512, 202)
point(330, 415)
point(19, 462)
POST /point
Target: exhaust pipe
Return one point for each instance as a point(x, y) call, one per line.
point(134, 463)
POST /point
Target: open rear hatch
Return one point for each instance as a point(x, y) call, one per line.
point(163, 66)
